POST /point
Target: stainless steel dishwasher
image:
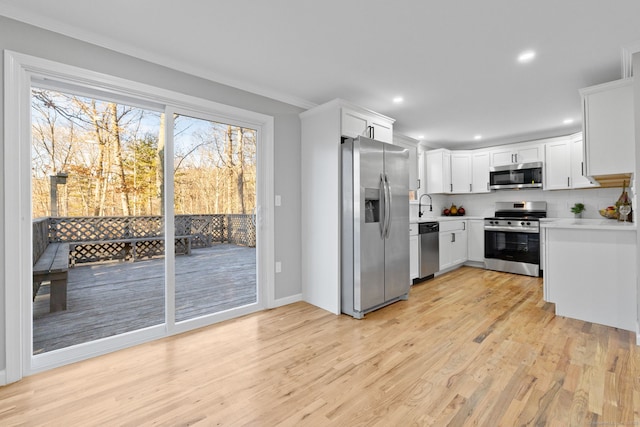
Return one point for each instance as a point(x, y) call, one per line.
point(429, 249)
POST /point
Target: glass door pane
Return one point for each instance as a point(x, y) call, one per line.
point(214, 201)
point(98, 225)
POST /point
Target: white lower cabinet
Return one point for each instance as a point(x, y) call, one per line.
point(590, 275)
point(414, 252)
point(452, 243)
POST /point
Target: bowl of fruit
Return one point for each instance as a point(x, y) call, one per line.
point(453, 211)
point(609, 212)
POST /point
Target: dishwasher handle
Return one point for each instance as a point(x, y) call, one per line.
point(428, 227)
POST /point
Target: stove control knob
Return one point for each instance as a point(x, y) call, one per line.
point(528, 223)
point(509, 222)
point(522, 223)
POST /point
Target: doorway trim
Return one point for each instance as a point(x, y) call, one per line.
point(19, 71)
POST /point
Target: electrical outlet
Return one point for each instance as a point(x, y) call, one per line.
point(278, 267)
point(278, 200)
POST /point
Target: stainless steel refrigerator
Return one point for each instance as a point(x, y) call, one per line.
point(375, 225)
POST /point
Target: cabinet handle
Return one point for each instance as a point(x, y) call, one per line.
point(451, 188)
point(470, 188)
point(372, 132)
point(488, 186)
point(464, 226)
point(582, 168)
point(453, 237)
point(568, 184)
point(418, 182)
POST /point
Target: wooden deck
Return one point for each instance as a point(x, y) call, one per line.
point(106, 299)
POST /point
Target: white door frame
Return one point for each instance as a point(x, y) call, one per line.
point(19, 70)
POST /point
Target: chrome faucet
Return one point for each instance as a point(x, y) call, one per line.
point(420, 204)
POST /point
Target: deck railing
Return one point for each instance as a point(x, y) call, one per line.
point(205, 230)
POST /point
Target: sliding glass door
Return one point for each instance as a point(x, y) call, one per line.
point(97, 188)
point(214, 182)
point(99, 204)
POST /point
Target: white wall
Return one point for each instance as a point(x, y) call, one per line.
point(30, 40)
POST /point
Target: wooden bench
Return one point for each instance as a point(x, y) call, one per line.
point(127, 249)
point(53, 266)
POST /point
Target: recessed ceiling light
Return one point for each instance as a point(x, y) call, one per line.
point(567, 121)
point(526, 56)
point(420, 136)
point(398, 100)
point(477, 137)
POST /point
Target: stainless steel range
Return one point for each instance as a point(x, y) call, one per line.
point(512, 238)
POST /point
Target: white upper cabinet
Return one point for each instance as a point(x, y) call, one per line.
point(460, 172)
point(608, 128)
point(563, 164)
point(437, 167)
point(457, 172)
point(360, 122)
point(480, 163)
point(557, 165)
point(578, 178)
point(516, 153)
point(412, 146)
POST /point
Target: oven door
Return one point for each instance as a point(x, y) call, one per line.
point(512, 247)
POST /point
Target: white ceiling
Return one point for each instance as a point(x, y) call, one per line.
point(453, 62)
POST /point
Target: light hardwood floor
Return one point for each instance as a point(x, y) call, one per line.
point(471, 347)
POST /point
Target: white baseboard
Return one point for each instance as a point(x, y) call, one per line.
point(287, 300)
point(3, 377)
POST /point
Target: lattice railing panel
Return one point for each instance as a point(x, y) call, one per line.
point(149, 248)
point(203, 230)
point(241, 230)
point(99, 251)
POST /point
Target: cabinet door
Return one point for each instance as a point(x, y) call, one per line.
point(460, 172)
point(354, 124)
point(438, 171)
point(414, 257)
point(459, 247)
point(444, 245)
point(578, 180)
point(608, 125)
point(476, 240)
point(480, 163)
point(502, 156)
point(528, 154)
point(557, 166)
point(382, 130)
point(414, 182)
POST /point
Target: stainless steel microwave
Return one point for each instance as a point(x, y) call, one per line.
point(522, 175)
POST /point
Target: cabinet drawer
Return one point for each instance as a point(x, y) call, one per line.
point(452, 226)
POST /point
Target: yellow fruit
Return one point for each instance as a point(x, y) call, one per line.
point(453, 210)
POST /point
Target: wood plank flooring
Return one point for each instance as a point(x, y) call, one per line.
point(106, 299)
point(471, 347)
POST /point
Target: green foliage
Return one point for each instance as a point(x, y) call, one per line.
point(578, 208)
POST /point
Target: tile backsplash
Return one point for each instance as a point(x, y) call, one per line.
point(559, 202)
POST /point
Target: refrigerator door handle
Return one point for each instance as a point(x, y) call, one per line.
point(383, 205)
point(388, 207)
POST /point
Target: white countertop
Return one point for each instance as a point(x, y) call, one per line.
point(588, 224)
point(443, 218)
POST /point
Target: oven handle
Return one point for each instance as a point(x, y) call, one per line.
point(511, 229)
